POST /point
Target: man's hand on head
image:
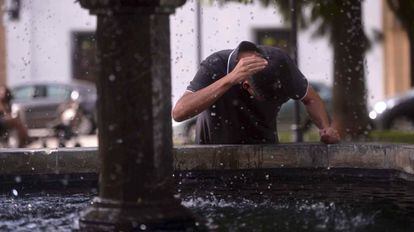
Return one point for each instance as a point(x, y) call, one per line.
point(246, 67)
point(329, 135)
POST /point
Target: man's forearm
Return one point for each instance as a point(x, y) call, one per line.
point(316, 110)
point(192, 104)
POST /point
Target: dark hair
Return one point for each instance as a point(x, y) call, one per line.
point(247, 46)
point(266, 83)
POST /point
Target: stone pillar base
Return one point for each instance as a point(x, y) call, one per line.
point(108, 215)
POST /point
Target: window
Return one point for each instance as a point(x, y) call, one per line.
point(84, 65)
point(278, 37)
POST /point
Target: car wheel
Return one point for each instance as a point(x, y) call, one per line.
point(402, 123)
point(85, 126)
point(13, 139)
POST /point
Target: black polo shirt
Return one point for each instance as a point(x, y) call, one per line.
point(237, 117)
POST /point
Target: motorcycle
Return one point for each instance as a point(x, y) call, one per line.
point(72, 122)
point(9, 139)
point(13, 133)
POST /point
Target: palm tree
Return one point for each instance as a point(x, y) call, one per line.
point(341, 21)
point(403, 10)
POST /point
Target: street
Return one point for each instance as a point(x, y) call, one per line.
point(84, 141)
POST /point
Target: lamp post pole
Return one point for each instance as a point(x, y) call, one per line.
point(297, 128)
point(199, 32)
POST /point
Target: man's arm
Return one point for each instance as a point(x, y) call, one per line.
point(192, 103)
point(316, 110)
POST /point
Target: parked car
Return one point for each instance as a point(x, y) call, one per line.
point(37, 104)
point(396, 113)
point(184, 132)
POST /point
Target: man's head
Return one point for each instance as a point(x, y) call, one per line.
point(262, 84)
point(249, 84)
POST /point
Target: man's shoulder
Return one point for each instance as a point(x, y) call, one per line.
point(217, 60)
point(218, 56)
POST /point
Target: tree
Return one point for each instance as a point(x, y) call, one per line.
point(404, 11)
point(341, 21)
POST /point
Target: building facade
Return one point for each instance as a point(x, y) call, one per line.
point(396, 55)
point(54, 41)
point(2, 48)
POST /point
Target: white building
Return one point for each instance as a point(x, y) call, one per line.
point(45, 43)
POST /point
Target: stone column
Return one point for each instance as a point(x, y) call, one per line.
point(134, 108)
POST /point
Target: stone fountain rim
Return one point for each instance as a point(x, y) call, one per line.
point(78, 161)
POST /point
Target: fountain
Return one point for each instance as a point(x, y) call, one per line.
point(288, 187)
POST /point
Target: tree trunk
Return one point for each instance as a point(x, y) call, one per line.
point(349, 93)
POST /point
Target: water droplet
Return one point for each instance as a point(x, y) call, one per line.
point(111, 127)
point(112, 77)
point(18, 179)
point(15, 193)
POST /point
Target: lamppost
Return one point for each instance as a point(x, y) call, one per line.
point(199, 25)
point(297, 128)
point(134, 107)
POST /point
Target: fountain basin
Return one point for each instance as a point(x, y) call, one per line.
point(310, 187)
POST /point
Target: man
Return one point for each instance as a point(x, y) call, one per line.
point(8, 122)
point(239, 92)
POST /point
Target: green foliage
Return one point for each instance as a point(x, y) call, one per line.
point(392, 136)
point(374, 136)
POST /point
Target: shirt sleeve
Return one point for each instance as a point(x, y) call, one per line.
point(207, 74)
point(296, 83)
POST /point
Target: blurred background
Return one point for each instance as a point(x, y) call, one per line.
point(48, 48)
